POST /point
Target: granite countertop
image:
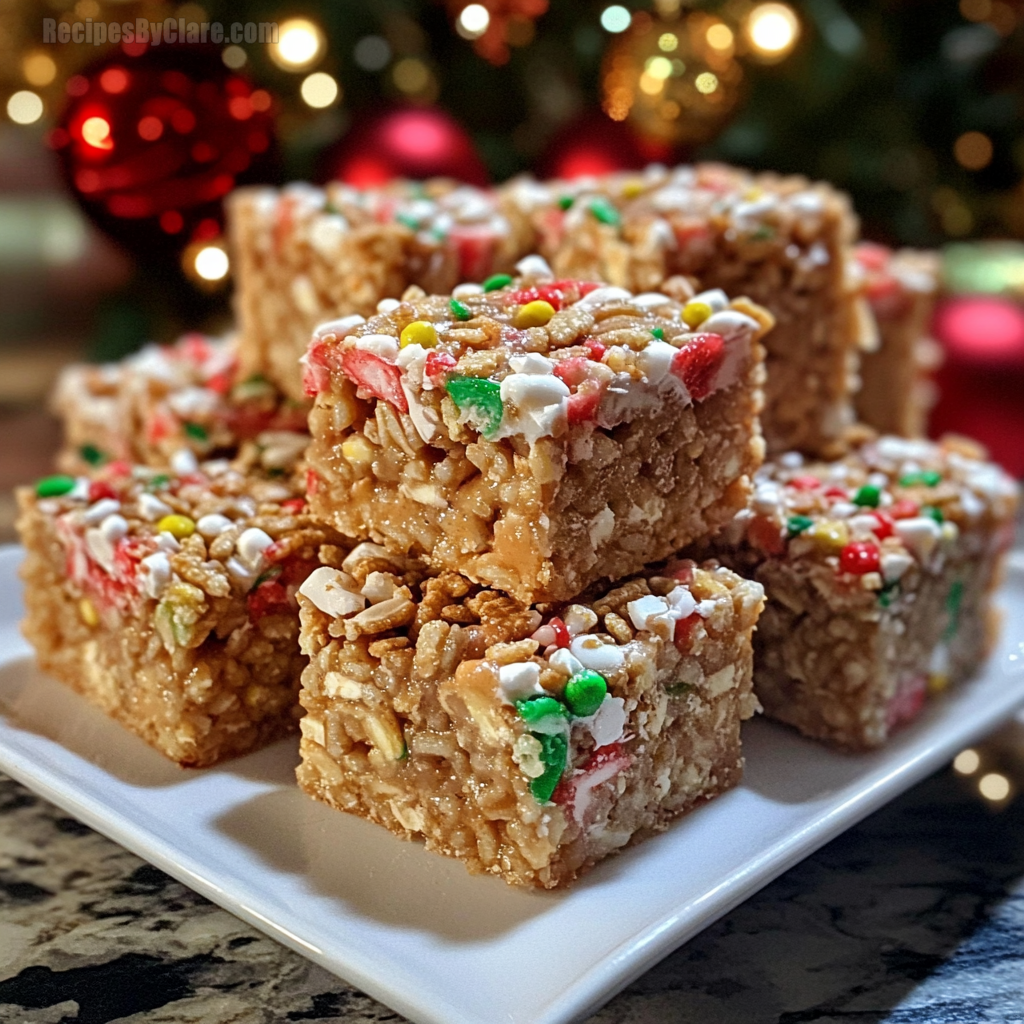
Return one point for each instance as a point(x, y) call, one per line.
point(915, 915)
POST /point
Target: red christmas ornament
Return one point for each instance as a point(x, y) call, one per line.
point(595, 145)
point(408, 142)
point(150, 143)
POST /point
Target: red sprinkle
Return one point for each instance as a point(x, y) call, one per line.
point(293, 506)
point(765, 534)
point(804, 483)
point(904, 509)
point(101, 489)
point(884, 528)
point(683, 571)
point(582, 407)
point(382, 379)
point(437, 364)
point(684, 631)
point(268, 598)
point(475, 245)
point(837, 492)
point(595, 348)
point(859, 558)
point(561, 633)
point(572, 371)
point(316, 374)
point(698, 363)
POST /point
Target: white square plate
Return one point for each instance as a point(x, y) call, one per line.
point(414, 929)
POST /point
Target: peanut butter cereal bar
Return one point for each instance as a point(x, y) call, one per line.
point(537, 435)
point(166, 399)
point(306, 254)
point(529, 743)
point(169, 601)
point(878, 570)
point(784, 242)
point(896, 393)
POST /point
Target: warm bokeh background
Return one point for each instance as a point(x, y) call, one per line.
point(114, 157)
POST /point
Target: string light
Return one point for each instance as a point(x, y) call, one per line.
point(211, 263)
point(967, 762)
point(472, 22)
point(719, 37)
point(772, 30)
point(319, 89)
point(615, 18)
point(39, 69)
point(95, 132)
point(706, 83)
point(994, 787)
point(973, 150)
point(668, 41)
point(300, 45)
point(24, 107)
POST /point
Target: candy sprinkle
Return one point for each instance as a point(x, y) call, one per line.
point(177, 526)
point(460, 310)
point(196, 431)
point(695, 313)
point(934, 513)
point(534, 314)
point(87, 611)
point(929, 478)
point(565, 202)
point(419, 332)
point(658, 332)
point(868, 496)
point(54, 486)
point(585, 692)
point(480, 399)
point(554, 754)
point(91, 454)
point(604, 212)
point(496, 281)
point(796, 525)
point(535, 710)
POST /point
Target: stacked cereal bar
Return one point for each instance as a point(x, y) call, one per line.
point(306, 254)
point(878, 569)
point(537, 435)
point(529, 742)
point(167, 399)
point(782, 241)
point(169, 601)
point(895, 393)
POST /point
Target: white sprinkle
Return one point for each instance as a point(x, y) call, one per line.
point(609, 293)
point(157, 573)
point(531, 362)
point(519, 681)
point(339, 328)
point(114, 527)
point(579, 618)
point(565, 660)
point(791, 460)
point(647, 611)
point(461, 291)
point(655, 360)
point(544, 635)
point(767, 496)
point(80, 492)
point(213, 525)
point(648, 300)
point(730, 324)
point(843, 509)
point(894, 565)
point(251, 545)
point(592, 653)
point(183, 462)
point(167, 542)
point(152, 508)
point(919, 534)
point(361, 553)
point(383, 345)
point(386, 306)
point(715, 298)
point(100, 510)
point(242, 573)
point(534, 266)
point(608, 722)
point(332, 592)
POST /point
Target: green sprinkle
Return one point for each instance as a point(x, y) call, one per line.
point(796, 525)
point(763, 233)
point(196, 431)
point(160, 480)
point(888, 594)
point(929, 478)
point(565, 202)
point(585, 693)
point(407, 220)
point(55, 486)
point(480, 399)
point(535, 709)
point(605, 212)
point(953, 601)
point(438, 234)
point(868, 496)
point(933, 513)
point(658, 332)
point(91, 454)
point(459, 310)
point(493, 283)
point(554, 754)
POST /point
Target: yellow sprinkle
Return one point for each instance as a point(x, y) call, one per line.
point(937, 682)
point(357, 449)
point(752, 193)
point(177, 526)
point(632, 189)
point(88, 612)
point(832, 535)
point(419, 332)
point(695, 313)
point(534, 314)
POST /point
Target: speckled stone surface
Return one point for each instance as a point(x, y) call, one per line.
point(914, 917)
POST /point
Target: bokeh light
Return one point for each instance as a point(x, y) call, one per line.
point(706, 83)
point(994, 787)
point(967, 762)
point(472, 21)
point(211, 263)
point(95, 132)
point(38, 68)
point(234, 57)
point(372, 53)
point(772, 30)
point(719, 37)
point(615, 18)
point(319, 89)
point(668, 41)
point(411, 75)
point(973, 150)
point(300, 45)
point(24, 107)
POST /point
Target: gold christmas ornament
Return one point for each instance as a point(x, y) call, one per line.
point(675, 78)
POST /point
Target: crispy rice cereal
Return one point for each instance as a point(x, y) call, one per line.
point(896, 392)
point(529, 743)
point(878, 569)
point(165, 399)
point(169, 601)
point(537, 435)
